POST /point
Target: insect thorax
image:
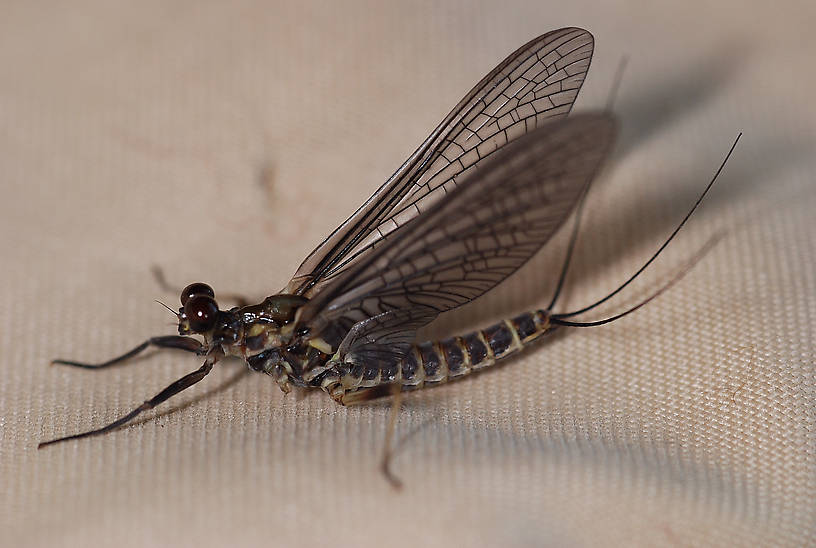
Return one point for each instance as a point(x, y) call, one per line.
point(269, 344)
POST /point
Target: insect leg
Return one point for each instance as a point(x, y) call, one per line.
point(367, 394)
point(385, 465)
point(183, 383)
point(188, 344)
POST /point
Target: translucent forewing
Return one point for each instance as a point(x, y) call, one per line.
point(537, 82)
point(479, 234)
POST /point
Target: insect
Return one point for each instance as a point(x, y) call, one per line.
point(490, 185)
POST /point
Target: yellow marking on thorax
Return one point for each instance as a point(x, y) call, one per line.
point(256, 330)
point(321, 345)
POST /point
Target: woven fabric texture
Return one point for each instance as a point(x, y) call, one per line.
point(222, 141)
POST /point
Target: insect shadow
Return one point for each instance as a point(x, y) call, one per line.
point(650, 108)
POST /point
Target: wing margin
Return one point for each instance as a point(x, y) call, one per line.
point(486, 113)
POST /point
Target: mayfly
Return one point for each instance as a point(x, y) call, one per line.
point(490, 186)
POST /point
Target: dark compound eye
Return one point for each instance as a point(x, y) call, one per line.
point(197, 288)
point(201, 311)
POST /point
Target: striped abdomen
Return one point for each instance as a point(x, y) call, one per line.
point(434, 362)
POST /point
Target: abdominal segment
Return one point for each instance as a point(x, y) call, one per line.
point(434, 362)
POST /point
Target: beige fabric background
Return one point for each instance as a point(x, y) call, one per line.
point(224, 140)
